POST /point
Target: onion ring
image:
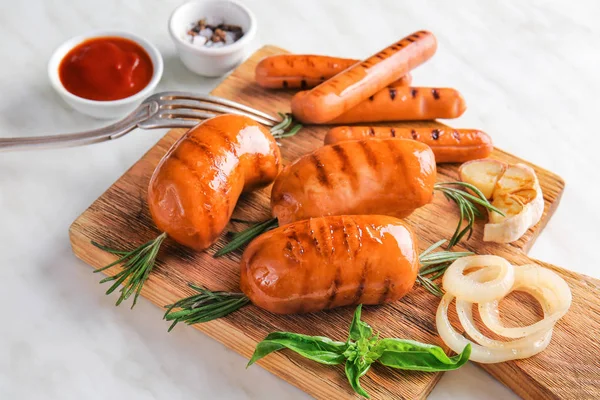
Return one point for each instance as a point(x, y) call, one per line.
point(552, 288)
point(466, 288)
point(479, 353)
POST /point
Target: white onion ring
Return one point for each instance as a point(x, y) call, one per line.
point(466, 288)
point(482, 354)
point(540, 280)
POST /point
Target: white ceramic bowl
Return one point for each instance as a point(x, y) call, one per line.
point(112, 108)
point(209, 61)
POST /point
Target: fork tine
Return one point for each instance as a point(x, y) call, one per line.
point(175, 106)
point(166, 96)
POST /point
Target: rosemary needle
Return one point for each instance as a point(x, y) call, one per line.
point(281, 131)
point(467, 208)
point(137, 265)
point(241, 238)
point(436, 264)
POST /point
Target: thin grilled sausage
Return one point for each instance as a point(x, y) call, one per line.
point(404, 103)
point(346, 90)
point(304, 71)
point(377, 176)
point(196, 185)
point(448, 145)
point(329, 262)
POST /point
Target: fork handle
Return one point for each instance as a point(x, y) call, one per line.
point(113, 131)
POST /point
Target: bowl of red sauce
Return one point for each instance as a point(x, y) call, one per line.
point(106, 74)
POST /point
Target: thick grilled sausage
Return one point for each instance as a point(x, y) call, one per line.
point(404, 103)
point(346, 90)
point(329, 262)
point(377, 176)
point(196, 185)
point(448, 145)
point(304, 71)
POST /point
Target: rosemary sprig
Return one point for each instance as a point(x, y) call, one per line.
point(281, 131)
point(467, 207)
point(204, 307)
point(241, 238)
point(137, 265)
point(435, 264)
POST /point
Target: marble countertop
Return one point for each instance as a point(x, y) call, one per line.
point(529, 72)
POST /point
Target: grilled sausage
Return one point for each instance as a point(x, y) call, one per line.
point(377, 176)
point(448, 145)
point(329, 262)
point(346, 90)
point(292, 71)
point(404, 103)
point(196, 185)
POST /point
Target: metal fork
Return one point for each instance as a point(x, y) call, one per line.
point(161, 110)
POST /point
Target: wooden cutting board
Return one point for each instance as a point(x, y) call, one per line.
point(569, 368)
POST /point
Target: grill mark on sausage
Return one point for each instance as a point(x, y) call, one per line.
point(294, 236)
point(435, 93)
point(413, 133)
point(346, 236)
point(321, 173)
point(410, 39)
point(393, 132)
point(314, 239)
point(370, 155)
point(334, 286)
point(392, 93)
point(323, 240)
point(435, 134)
point(358, 238)
point(413, 92)
point(394, 47)
point(398, 158)
point(386, 289)
point(415, 35)
point(361, 284)
point(346, 165)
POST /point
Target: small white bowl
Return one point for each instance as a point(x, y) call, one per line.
point(209, 61)
point(112, 108)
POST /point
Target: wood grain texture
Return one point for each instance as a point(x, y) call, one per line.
point(569, 368)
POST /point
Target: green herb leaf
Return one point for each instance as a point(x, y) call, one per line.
point(137, 265)
point(358, 328)
point(281, 130)
point(317, 348)
point(466, 203)
point(204, 307)
point(241, 238)
point(411, 355)
point(436, 263)
point(353, 372)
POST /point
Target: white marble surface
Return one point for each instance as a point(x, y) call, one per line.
point(529, 72)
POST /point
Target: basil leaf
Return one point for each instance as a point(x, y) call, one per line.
point(317, 348)
point(358, 328)
point(408, 354)
point(354, 370)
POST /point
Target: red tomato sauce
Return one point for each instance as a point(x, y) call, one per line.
point(106, 68)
